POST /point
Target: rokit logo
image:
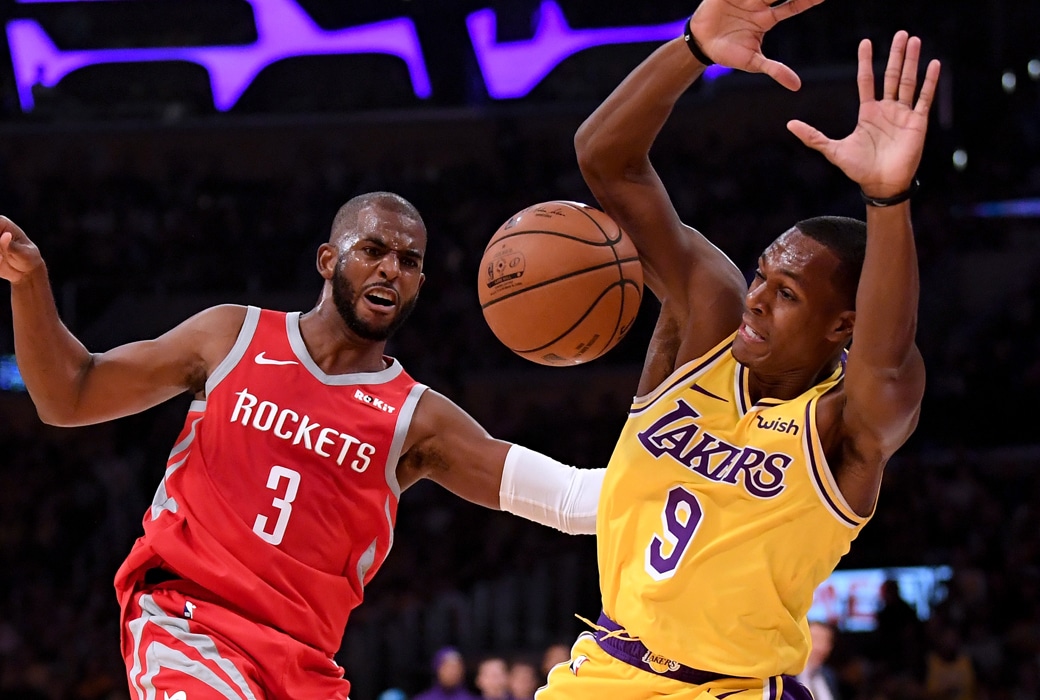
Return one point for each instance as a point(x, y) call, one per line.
point(374, 402)
point(510, 69)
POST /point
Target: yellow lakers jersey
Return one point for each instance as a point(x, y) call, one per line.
point(718, 519)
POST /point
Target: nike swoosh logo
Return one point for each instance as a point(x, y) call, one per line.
point(261, 360)
point(702, 390)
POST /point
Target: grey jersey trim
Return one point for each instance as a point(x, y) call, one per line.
point(292, 327)
point(238, 350)
point(404, 421)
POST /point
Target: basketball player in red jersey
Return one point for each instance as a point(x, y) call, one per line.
point(280, 495)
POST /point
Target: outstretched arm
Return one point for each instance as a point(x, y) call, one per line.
point(70, 385)
point(699, 287)
point(447, 445)
point(884, 381)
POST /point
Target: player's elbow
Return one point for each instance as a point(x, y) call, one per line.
point(591, 149)
point(56, 416)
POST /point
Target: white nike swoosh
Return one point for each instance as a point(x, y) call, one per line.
point(261, 360)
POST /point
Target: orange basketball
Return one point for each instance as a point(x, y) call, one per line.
point(560, 283)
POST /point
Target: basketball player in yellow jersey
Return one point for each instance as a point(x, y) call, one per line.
point(754, 453)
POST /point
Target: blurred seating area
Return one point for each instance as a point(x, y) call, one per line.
point(144, 222)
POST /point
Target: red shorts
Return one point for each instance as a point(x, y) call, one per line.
point(178, 646)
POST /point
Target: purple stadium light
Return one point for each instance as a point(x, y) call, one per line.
point(283, 30)
point(513, 69)
point(1012, 208)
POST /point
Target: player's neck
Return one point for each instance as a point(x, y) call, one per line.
point(335, 348)
point(788, 385)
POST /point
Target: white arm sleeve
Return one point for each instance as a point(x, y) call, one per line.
point(541, 489)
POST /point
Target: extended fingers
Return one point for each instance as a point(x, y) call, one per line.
point(782, 10)
point(908, 79)
point(809, 135)
point(894, 69)
point(865, 72)
point(931, 79)
point(779, 72)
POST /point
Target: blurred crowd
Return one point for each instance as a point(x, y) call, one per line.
point(141, 227)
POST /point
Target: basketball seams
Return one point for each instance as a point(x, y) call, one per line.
point(564, 242)
point(584, 212)
point(613, 249)
point(620, 284)
point(554, 280)
point(557, 234)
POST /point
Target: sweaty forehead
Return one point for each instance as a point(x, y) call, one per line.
point(395, 229)
point(793, 251)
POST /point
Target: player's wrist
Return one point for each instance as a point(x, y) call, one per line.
point(891, 200)
point(694, 46)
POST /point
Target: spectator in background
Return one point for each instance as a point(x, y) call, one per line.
point(817, 676)
point(449, 669)
point(949, 672)
point(524, 679)
point(900, 635)
point(556, 653)
point(493, 679)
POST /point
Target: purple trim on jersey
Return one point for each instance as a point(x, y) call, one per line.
point(635, 653)
point(793, 689)
point(665, 388)
point(815, 468)
point(701, 390)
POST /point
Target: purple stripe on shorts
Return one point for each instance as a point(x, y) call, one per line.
point(635, 653)
point(793, 689)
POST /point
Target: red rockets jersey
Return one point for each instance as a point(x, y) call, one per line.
point(280, 495)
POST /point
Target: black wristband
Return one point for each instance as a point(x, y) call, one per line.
point(894, 199)
point(694, 47)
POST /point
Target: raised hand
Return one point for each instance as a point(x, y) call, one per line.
point(730, 33)
point(18, 255)
point(882, 153)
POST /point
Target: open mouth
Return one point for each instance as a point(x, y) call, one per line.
point(750, 334)
point(381, 297)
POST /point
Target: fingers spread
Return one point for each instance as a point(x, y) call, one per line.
point(931, 78)
point(894, 69)
point(809, 135)
point(790, 8)
point(865, 72)
point(777, 71)
point(908, 79)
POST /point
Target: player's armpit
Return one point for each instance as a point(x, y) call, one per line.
point(445, 444)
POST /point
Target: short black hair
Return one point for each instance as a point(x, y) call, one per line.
point(847, 238)
point(346, 217)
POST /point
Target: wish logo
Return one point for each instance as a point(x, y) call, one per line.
point(510, 69)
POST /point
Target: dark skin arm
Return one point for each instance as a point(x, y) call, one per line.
point(878, 409)
point(446, 445)
point(71, 386)
point(700, 289)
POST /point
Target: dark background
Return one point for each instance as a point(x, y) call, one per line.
point(149, 204)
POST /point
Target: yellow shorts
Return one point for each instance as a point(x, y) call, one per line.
point(592, 674)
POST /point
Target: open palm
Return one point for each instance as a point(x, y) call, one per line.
point(730, 32)
point(883, 151)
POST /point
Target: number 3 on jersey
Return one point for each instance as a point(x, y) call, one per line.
point(681, 518)
point(283, 504)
